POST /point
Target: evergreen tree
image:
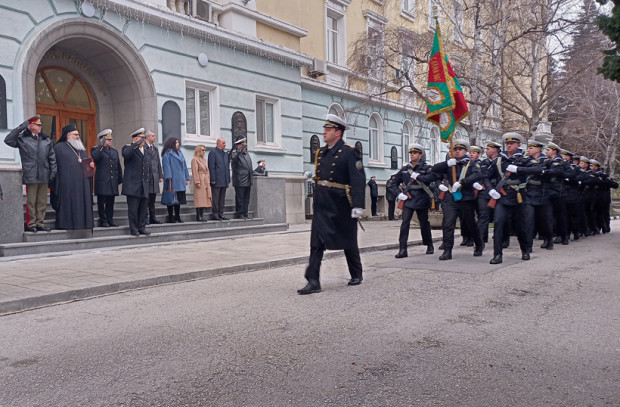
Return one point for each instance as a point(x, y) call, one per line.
point(610, 26)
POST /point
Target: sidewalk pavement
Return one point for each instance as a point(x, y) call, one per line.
point(34, 281)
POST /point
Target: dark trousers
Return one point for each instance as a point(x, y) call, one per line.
point(218, 195)
point(465, 210)
point(590, 216)
point(105, 208)
point(136, 212)
point(373, 205)
point(316, 256)
point(560, 225)
point(524, 217)
point(242, 201)
point(485, 216)
point(151, 205)
point(543, 220)
point(576, 218)
point(391, 208)
point(425, 227)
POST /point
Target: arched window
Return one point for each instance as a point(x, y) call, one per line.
point(375, 138)
point(457, 135)
point(407, 139)
point(336, 109)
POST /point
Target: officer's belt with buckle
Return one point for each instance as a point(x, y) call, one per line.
point(330, 184)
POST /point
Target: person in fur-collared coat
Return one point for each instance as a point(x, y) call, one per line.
point(202, 186)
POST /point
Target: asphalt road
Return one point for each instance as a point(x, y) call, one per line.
point(416, 332)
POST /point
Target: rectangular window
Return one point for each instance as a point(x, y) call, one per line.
point(266, 121)
point(201, 116)
point(432, 4)
point(408, 7)
point(458, 21)
point(332, 39)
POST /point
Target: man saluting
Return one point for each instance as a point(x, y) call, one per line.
point(338, 202)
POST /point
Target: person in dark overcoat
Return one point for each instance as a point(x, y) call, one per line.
point(72, 192)
point(219, 173)
point(417, 198)
point(338, 203)
point(390, 197)
point(374, 195)
point(108, 176)
point(136, 183)
point(38, 168)
point(241, 165)
point(157, 174)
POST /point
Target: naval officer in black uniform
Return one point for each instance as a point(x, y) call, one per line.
point(338, 202)
point(136, 183)
point(108, 177)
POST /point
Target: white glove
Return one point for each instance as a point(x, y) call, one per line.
point(414, 175)
point(477, 186)
point(494, 194)
point(451, 162)
point(443, 187)
point(402, 197)
point(356, 212)
point(512, 168)
point(456, 186)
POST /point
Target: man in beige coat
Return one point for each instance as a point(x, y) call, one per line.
point(202, 186)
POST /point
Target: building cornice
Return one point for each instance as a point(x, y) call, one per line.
point(189, 26)
point(267, 20)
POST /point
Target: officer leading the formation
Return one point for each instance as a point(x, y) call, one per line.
point(338, 202)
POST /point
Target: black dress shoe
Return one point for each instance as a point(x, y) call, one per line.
point(565, 241)
point(446, 255)
point(179, 220)
point(496, 260)
point(430, 249)
point(557, 239)
point(43, 229)
point(546, 244)
point(464, 242)
point(32, 229)
point(478, 252)
point(355, 281)
point(152, 221)
point(525, 256)
point(144, 232)
point(103, 224)
point(401, 254)
point(112, 225)
point(136, 234)
point(310, 288)
point(223, 218)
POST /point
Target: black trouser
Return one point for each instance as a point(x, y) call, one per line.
point(391, 208)
point(242, 201)
point(453, 210)
point(576, 218)
point(151, 205)
point(316, 256)
point(373, 205)
point(218, 195)
point(525, 219)
point(601, 211)
point(590, 215)
point(543, 220)
point(559, 216)
point(136, 212)
point(425, 227)
point(105, 208)
point(177, 212)
point(485, 216)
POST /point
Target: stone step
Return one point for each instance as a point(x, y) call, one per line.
point(123, 230)
point(70, 245)
point(120, 215)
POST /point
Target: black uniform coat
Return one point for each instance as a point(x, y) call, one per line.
point(554, 173)
point(489, 184)
point(241, 165)
point(332, 225)
point(537, 193)
point(137, 171)
point(472, 174)
point(108, 174)
point(501, 162)
point(374, 189)
point(73, 200)
point(157, 172)
point(419, 198)
point(573, 183)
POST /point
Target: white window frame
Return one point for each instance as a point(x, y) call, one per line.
point(433, 145)
point(457, 10)
point(214, 113)
point(376, 22)
point(337, 109)
point(276, 144)
point(407, 8)
point(376, 158)
point(337, 10)
point(431, 20)
point(407, 138)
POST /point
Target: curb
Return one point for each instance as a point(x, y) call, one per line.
point(27, 304)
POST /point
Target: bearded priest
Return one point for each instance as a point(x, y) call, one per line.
point(72, 197)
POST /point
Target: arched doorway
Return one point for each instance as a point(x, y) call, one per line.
point(62, 98)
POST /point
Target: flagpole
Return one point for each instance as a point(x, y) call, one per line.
point(451, 154)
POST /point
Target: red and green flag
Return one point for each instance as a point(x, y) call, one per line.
point(445, 101)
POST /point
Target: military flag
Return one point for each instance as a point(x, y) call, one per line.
point(445, 102)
